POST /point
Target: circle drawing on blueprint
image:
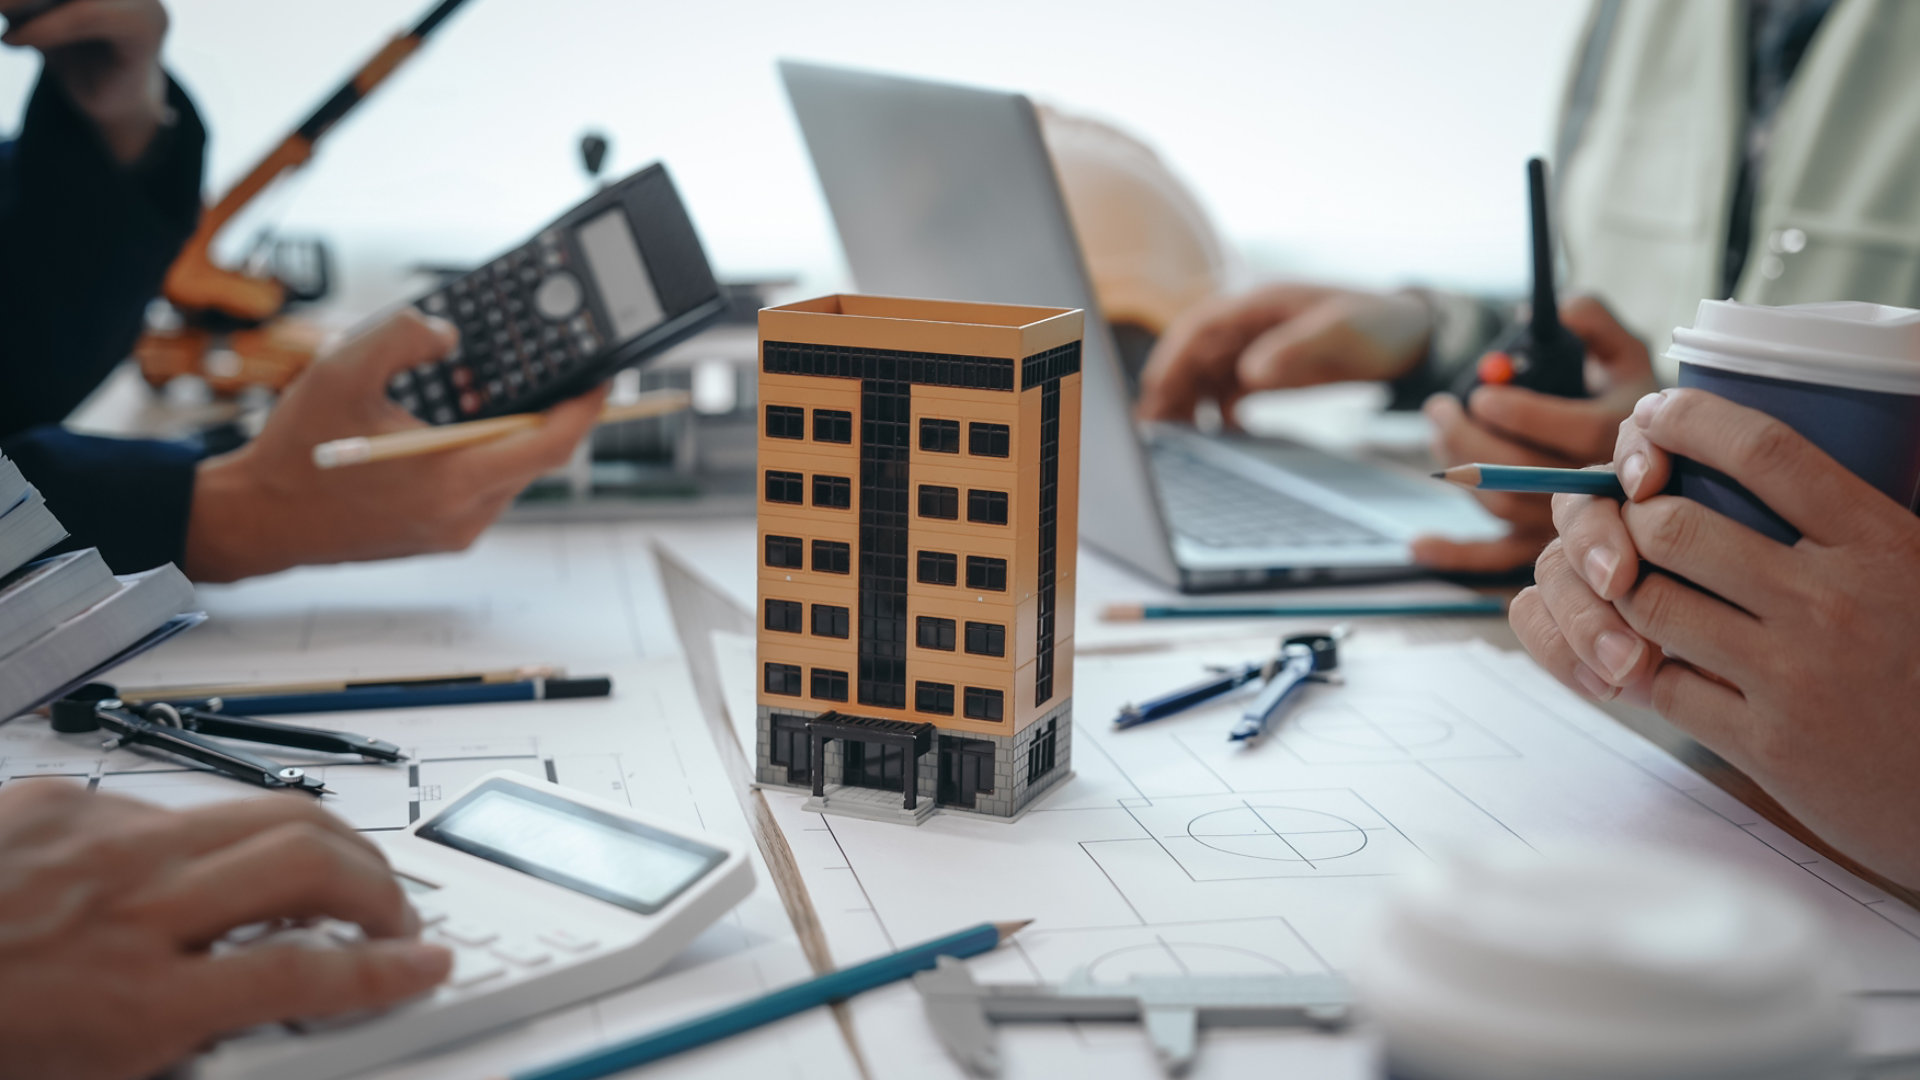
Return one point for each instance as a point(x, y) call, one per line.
point(1278, 834)
point(1383, 726)
point(1181, 958)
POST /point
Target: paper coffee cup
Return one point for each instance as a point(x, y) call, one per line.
point(1845, 375)
point(1603, 963)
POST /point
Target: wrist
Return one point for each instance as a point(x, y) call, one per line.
point(232, 522)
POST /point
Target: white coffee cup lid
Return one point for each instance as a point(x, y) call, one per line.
point(1847, 343)
point(1606, 962)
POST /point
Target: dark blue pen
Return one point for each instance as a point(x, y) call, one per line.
point(1190, 696)
point(401, 696)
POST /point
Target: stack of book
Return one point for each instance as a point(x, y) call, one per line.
point(65, 619)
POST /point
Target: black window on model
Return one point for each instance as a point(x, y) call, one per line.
point(784, 616)
point(984, 704)
point(934, 633)
point(786, 487)
point(986, 639)
point(829, 685)
point(832, 557)
point(933, 697)
point(988, 440)
point(989, 575)
point(832, 425)
point(940, 436)
point(785, 552)
point(786, 422)
point(987, 507)
point(833, 492)
point(829, 620)
point(938, 568)
point(939, 502)
point(783, 679)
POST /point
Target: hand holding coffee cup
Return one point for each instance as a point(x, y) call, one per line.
point(1794, 662)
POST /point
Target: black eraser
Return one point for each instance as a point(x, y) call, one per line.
point(588, 686)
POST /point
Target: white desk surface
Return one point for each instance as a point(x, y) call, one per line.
point(587, 595)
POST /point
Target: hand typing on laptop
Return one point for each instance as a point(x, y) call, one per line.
point(1287, 336)
point(109, 908)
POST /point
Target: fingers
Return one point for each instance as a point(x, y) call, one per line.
point(1317, 346)
point(1510, 552)
point(1714, 552)
point(402, 340)
point(258, 986)
point(1195, 358)
point(1457, 440)
point(1703, 630)
point(90, 20)
point(513, 461)
point(1613, 346)
point(1603, 641)
point(293, 871)
point(1643, 468)
point(1579, 430)
point(1542, 636)
point(1707, 709)
point(1597, 543)
point(1817, 495)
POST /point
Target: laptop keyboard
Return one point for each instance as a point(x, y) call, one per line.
point(1218, 508)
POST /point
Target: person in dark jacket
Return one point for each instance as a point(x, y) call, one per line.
point(97, 195)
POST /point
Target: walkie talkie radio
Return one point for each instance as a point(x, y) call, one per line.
point(1539, 354)
point(615, 280)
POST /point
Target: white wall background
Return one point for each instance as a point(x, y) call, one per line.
point(1374, 141)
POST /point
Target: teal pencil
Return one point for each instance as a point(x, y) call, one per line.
point(1479, 605)
point(825, 990)
point(1542, 481)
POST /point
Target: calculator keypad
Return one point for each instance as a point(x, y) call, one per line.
point(523, 324)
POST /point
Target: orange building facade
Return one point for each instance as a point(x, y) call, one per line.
point(918, 518)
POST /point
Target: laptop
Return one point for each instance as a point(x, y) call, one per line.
point(948, 191)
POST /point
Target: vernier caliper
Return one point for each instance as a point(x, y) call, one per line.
point(1172, 1008)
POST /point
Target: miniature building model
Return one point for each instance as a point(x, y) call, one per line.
point(919, 512)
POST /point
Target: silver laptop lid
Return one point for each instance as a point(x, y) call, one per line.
point(949, 192)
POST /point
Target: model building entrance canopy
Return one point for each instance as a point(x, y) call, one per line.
point(919, 511)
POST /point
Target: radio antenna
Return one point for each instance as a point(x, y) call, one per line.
point(1545, 321)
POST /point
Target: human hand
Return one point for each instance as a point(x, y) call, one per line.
point(265, 507)
point(1278, 337)
point(1796, 664)
point(106, 56)
point(108, 907)
point(1507, 425)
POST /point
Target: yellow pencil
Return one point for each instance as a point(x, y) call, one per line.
point(362, 448)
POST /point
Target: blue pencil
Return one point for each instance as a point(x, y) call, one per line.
point(401, 696)
point(1479, 605)
point(1540, 481)
point(825, 990)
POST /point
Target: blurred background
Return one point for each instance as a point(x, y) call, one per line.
point(1376, 143)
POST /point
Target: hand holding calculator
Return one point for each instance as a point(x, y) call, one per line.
point(614, 281)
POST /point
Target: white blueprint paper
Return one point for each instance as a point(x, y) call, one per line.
point(1172, 850)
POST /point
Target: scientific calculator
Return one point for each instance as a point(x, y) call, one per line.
point(546, 896)
point(615, 280)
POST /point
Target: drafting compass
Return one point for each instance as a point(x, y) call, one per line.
point(1303, 658)
point(185, 732)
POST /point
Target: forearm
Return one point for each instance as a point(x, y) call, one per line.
point(84, 243)
point(128, 497)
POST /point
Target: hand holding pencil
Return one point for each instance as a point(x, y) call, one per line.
point(266, 507)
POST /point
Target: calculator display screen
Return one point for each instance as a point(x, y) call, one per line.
point(555, 839)
point(620, 273)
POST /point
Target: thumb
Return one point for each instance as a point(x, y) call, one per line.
point(1611, 344)
point(404, 339)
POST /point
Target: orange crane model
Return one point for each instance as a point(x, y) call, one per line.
point(237, 316)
